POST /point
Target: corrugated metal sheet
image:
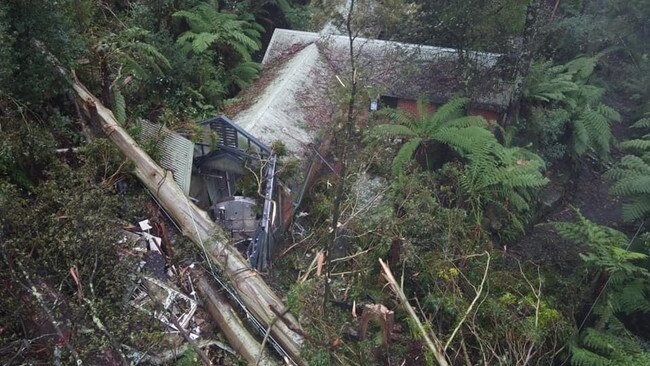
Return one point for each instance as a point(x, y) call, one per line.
point(176, 152)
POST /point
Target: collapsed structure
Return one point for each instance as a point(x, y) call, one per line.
point(210, 172)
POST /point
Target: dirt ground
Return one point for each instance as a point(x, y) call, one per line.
point(588, 192)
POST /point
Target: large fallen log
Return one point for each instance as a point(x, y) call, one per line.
point(229, 323)
point(254, 293)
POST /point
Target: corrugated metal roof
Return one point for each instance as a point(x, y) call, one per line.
point(176, 152)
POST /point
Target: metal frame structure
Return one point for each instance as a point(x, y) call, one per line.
point(235, 142)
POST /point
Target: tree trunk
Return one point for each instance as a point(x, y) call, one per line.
point(524, 61)
point(340, 185)
point(255, 294)
point(230, 324)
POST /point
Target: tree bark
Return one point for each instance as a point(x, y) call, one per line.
point(255, 294)
point(340, 185)
point(229, 323)
point(524, 61)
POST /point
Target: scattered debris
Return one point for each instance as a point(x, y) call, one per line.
point(151, 290)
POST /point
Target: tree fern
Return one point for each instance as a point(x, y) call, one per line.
point(208, 27)
point(631, 176)
point(223, 36)
point(607, 341)
point(493, 174)
point(566, 87)
point(445, 126)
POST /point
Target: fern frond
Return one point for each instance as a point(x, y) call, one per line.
point(633, 298)
point(465, 140)
point(119, 105)
point(389, 131)
point(608, 112)
point(636, 144)
point(582, 67)
point(584, 357)
point(195, 18)
point(150, 55)
point(580, 137)
point(637, 209)
point(397, 116)
point(244, 73)
point(468, 121)
point(598, 341)
point(597, 129)
point(642, 123)
point(202, 41)
point(423, 107)
point(241, 49)
point(404, 156)
point(447, 111)
point(631, 185)
point(634, 164)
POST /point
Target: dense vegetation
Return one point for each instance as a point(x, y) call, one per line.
point(456, 213)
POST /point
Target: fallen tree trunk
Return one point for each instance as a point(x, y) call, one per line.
point(229, 323)
point(254, 293)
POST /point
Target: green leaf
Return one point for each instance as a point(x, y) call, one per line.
point(119, 105)
point(404, 156)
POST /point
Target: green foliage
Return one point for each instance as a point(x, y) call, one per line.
point(463, 24)
point(119, 106)
point(222, 45)
point(546, 128)
point(507, 178)
point(189, 358)
point(69, 221)
point(565, 100)
point(130, 50)
point(445, 126)
point(602, 347)
point(621, 28)
point(26, 73)
point(297, 15)
point(208, 27)
point(631, 176)
point(607, 342)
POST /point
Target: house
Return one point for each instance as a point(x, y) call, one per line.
point(296, 94)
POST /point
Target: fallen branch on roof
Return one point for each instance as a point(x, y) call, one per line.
point(254, 293)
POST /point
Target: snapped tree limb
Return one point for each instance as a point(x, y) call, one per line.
point(430, 340)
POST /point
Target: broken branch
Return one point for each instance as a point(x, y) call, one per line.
point(432, 344)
